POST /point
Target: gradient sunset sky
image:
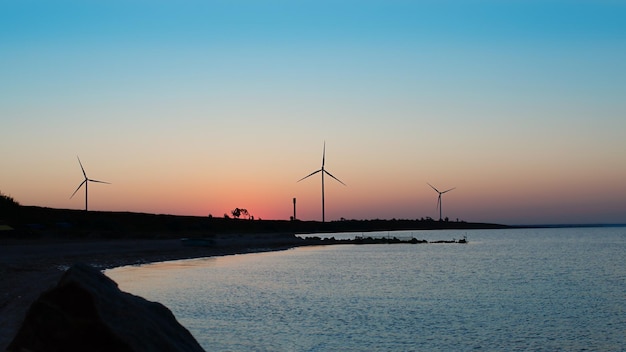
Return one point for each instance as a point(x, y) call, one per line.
point(198, 107)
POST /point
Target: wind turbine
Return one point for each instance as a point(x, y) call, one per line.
point(85, 182)
point(439, 198)
point(323, 171)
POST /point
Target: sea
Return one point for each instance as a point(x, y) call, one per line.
point(554, 289)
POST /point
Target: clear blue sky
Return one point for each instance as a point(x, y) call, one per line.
point(198, 107)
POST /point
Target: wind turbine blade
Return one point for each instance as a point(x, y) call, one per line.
point(108, 183)
point(448, 190)
point(438, 202)
point(433, 187)
point(324, 155)
point(79, 186)
point(311, 174)
point(81, 167)
point(328, 173)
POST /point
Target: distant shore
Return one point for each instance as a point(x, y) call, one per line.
point(49, 222)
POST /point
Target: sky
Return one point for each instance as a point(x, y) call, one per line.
point(199, 107)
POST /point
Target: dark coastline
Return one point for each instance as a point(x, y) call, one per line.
point(38, 222)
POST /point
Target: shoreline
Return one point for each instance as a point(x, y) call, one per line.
point(28, 268)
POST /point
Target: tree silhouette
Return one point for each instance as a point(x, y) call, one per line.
point(237, 212)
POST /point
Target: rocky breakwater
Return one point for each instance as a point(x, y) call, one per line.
point(86, 311)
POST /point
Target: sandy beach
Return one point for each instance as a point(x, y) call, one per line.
point(27, 268)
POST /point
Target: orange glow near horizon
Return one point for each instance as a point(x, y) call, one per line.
point(503, 194)
point(374, 190)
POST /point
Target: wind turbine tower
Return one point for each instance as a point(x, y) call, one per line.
point(85, 182)
point(439, 198)
point(323, 171)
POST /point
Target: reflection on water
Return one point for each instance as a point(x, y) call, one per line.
point(557, 289)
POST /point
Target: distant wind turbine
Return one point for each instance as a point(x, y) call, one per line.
point(85, 182)
point(323, 171)
point(439, 198)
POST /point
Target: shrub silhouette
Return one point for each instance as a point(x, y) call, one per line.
point(7, 202)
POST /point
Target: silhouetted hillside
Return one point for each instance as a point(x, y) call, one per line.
point(31, 221)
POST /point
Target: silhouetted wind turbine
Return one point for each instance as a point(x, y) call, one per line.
point(323, 171)
point(439, 198)
point(85, 182)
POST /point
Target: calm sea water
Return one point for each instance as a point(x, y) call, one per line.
point(524, 289)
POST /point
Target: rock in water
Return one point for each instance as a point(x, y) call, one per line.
point(86, 311)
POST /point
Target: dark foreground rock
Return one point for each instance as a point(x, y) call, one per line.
point(86, 311)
